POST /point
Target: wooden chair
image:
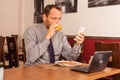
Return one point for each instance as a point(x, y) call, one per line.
point(21, 50)
point(115, 60)
point(12, 52)
point(2, 56)
point(24, 52)
point(99, 46)
point(15, 35)
point(102, 46)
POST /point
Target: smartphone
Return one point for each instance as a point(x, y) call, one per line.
point(81, 30)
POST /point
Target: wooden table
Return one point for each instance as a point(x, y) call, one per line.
point(52, 72)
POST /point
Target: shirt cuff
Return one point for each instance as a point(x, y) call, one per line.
point(78, 48)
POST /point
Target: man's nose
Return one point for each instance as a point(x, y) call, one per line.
point(57, 20)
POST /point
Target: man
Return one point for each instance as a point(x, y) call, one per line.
point(37, 39)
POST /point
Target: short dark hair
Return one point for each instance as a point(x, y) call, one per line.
point(47, 9)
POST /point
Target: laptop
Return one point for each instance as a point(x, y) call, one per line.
point(98, 63)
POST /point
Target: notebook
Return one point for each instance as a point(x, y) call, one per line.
point(98, 63)
point(1, 73)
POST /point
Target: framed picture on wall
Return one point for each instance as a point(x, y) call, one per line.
point(97, 3)
point(68, 6)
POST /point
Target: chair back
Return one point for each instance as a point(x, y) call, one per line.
point(12, 51)
point(103, 46)
point(115, 60)
point(2, 59)
point(100, 46)
point(24, 51)
point(15, 35)
point(114, 47)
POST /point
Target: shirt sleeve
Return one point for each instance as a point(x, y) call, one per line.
point(70, 53)
point(34, 48)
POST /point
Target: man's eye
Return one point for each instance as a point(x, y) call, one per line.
point(56, 18)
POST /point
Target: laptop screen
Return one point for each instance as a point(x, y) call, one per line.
point(100, 60)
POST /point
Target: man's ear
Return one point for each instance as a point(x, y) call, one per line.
point(44, 17)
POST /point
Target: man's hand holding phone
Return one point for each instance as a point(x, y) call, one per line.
point(80, 36)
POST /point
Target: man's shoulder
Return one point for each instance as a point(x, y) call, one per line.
point(33, 27)
point(31, 30)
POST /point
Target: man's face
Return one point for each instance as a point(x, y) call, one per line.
point(54, 17)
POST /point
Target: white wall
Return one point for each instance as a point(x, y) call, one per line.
point(8, 17)
point(99, 21)
point(27, 14)
point(17, 15)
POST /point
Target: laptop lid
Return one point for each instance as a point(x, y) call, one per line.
point(99, 61)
